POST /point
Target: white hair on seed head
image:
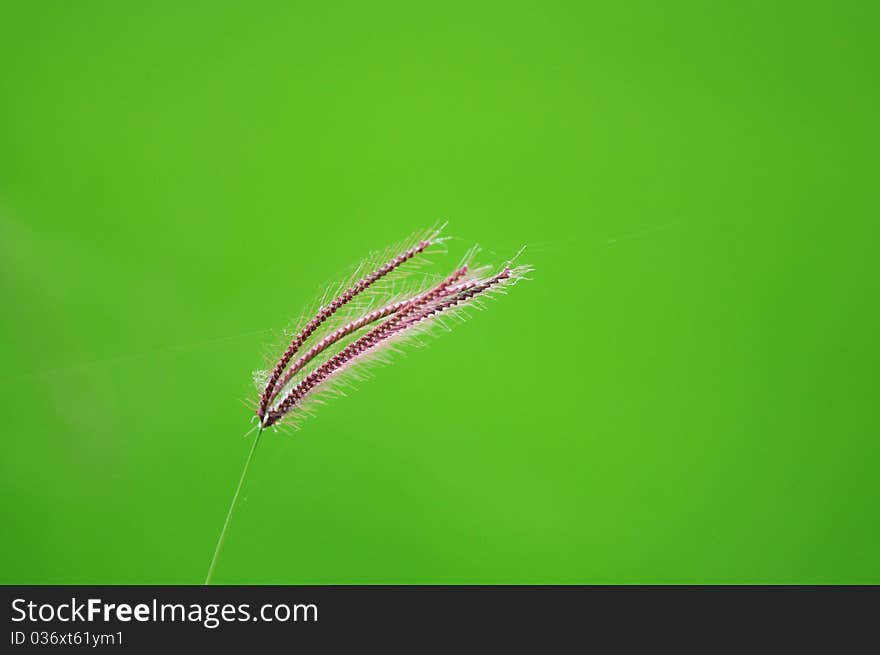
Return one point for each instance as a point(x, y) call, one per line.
point(371, 326)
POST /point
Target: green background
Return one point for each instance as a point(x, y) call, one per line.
point(686, 392)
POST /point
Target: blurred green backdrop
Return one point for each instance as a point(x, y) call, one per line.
point(685, 393)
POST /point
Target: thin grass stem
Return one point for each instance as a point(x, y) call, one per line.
point(232, 505)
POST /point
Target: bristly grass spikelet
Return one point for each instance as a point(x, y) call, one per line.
point(384, 305)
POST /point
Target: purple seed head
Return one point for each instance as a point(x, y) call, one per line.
point(290, 386)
